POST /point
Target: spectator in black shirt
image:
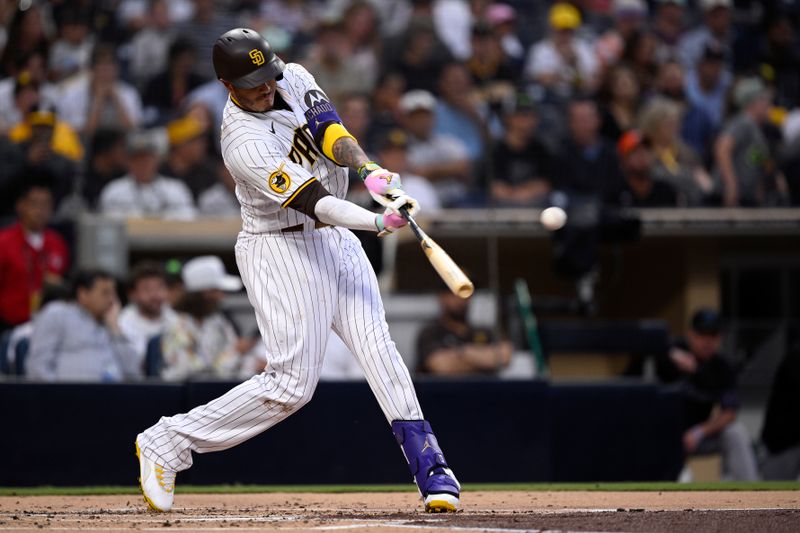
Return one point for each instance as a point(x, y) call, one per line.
point(708, 381)
point(587, 164)
point(622, 97)
point(521, 165)
point(640, 188)
point(781, 59)
point(108, 160)
point(450, 346)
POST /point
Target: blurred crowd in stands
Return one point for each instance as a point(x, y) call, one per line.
point(114, 104)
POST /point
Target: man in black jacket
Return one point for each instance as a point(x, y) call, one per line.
point(711, 400)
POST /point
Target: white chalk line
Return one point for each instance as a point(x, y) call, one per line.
point(361, 523)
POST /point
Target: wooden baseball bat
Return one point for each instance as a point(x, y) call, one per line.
point(447, 269)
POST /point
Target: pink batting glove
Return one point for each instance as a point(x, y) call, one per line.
point(388, 222)
point(378, 180)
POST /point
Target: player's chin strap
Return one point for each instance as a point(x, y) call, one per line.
point(425, 458)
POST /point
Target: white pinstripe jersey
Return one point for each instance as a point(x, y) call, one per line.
point(272, 156)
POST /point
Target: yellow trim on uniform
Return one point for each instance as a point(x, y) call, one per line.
point(333, 133)
point(235, 101)
point(295, 193)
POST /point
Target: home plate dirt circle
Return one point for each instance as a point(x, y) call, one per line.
point(633, 512)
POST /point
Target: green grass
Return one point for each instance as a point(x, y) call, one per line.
point(532, 487)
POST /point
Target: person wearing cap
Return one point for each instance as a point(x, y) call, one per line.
point(30, 71)
point(24, 94)
point(562, 62)
point(442, 159)
point(451, 346)
point(639, 188)
point(305, 272)
point(42, 122)
point(708, 83)
point(188, 157)
point(143, 192)
point(716, 26)
point(98, 98)
point(743, 164)
point(37, 140)
point(80, 339)
point(503, 19)
point(200, 341)
point(522, 166)
point(707, 382)
point(392, 152)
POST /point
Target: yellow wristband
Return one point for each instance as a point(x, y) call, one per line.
point(333, 133)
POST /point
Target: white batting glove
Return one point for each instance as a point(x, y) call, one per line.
point(391, 219)
point(401, 199)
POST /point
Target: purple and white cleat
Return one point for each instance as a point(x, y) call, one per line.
point(436, 482)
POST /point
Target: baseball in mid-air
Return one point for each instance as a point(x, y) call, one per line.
point(553, 218)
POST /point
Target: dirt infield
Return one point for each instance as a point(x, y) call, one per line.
point(640, 512)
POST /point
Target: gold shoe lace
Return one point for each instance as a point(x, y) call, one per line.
point(166, 478)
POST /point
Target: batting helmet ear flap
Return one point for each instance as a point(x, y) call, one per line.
point(245, 59)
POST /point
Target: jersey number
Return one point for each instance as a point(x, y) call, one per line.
point(303, 148)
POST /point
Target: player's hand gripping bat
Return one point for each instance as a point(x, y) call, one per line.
point(447, 269)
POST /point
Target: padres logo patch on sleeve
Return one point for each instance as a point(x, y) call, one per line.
point(279, 181)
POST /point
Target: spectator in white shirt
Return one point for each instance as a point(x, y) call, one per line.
point(202, 343)
point(81, 340)
point(563, 62)
point(143, 192)
point(97, 99)
point(443, 159)
point(150, 45)
point(73, 49)
point(147, 313)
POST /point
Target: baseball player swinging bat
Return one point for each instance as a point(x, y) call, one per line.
point(305, 273)
point(447, 269)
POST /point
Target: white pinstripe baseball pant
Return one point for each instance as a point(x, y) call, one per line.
point(301, 284)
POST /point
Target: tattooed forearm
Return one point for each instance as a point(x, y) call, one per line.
point(346, 151)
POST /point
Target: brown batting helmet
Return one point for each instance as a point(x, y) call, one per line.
point(245, 59)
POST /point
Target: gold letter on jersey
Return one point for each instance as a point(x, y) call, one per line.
point(303, 147)
point(279, 181)
point(257, 56)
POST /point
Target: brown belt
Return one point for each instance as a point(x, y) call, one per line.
point(301, 227)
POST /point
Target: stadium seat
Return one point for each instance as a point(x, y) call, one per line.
point(153, 357)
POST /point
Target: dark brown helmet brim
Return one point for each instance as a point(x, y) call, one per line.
point(269, 71)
